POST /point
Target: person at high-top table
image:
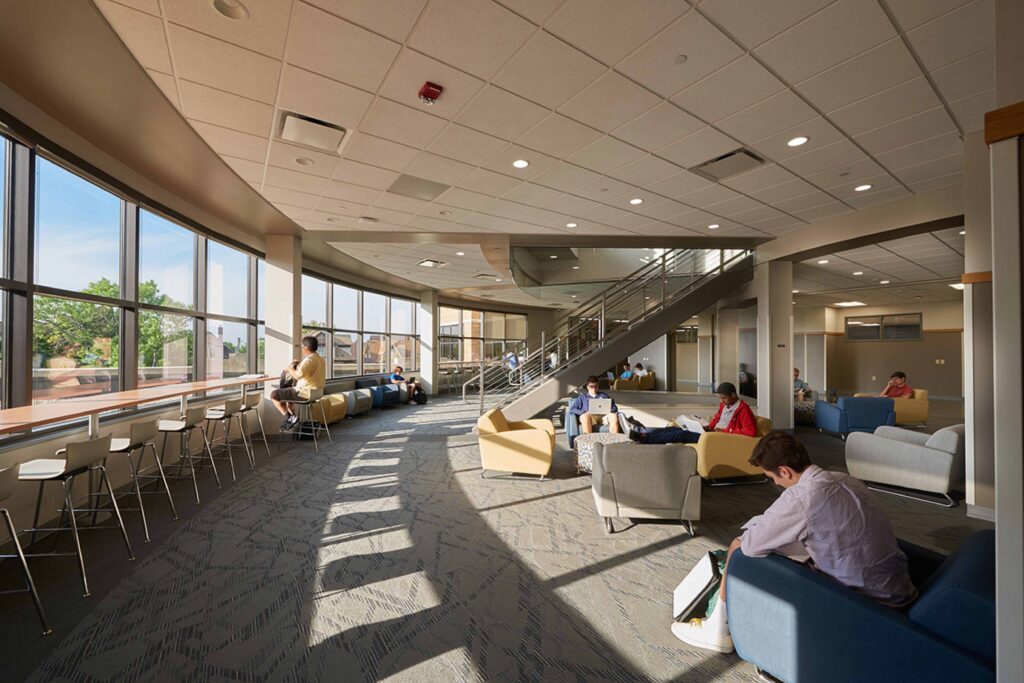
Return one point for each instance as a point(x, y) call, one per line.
point(310, 375)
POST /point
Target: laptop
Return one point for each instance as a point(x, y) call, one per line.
point(600, 406)
point(690, 424)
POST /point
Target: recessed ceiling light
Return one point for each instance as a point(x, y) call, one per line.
point(646, 298)
point(957, 285)
point(636, 200)
point(332, 219)
point(520, 163)
point(553, 256)
point(797, 141)
point(793, 302)
point(431, 263)
point(963, 232)
point(858, 272)
point(460, 253)
point(862, 188)
point(883, 282)
point(849, 304)
point(304, 161)
point(497, 279)
point(713, 226)
point(796, 291)
point(231, 9)
point(444, 213)
point(917, 297)
point(573, 296)
point(570, 225)
point(575, 267)
point(822, 261)
point(679, 60)
point(367, 219)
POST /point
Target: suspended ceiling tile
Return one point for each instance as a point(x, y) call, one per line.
point(558, 136)
point(530, 75)
point(955, 35)
point(379, 152)
point(772, 115)
point(606, 154)
point(695, 149)
point(754, 23)
point(501, 113)
point(438, 169)
point(565, 176)
point(661, 125)
point(609, 102)
point(412, 69)
point(142, 33)
point(229, 142)
point(393, 19)
point(221, 65)
point(401, 124)
point(310, 94)
point(224, 109)
point(609, 30)
point(363, 174)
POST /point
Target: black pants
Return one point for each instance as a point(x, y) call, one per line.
point(663, 435)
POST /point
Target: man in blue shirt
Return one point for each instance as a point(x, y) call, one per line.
point(626, 372)
point(410, 384)
point(580, 406)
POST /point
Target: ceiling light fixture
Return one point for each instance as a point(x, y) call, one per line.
point(679, 60)
point(883, 282)
point(231, 9)
point(957, 285)
point(520, 163)
point(460, 253)
point(431, 263)
point(858, 272)
point(963, 232)
point(332, 219)
point(822, 262)
point(553, 256)
point(304, 161)
point(713, 226)
point(863, 188)
point(849, 304)
point(444, 213)
point(636, 200)
point(575, 267)
point(570, 225)
point(797, 141)
point(497, 279)
point(796, 291)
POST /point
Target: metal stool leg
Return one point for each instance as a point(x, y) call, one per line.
point(160, 469)
point(134, 470)
point(186, 454)
point(209, 453)
point(70, 505)
point(117, 511)
point(327, 428)
point(226, 429)
point(35, 521)
point(309, 418)
point(250, 450)
point(28, 575)
point(263, 432)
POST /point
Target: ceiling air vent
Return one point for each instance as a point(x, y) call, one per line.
point(728, 165)
point(431, 263)
point(484, 276)
point(417, 188)
point(310, 132)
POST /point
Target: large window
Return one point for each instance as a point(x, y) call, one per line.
point(166, 348)
point(469, 337)
point(226, 280)
point(901, 327)
point(75, 349)
point(227, 349)
point(314, 302)
point(166, 262)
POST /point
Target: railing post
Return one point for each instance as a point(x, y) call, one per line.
point(481, 387)
point(601, 320)
point(663, 257)
point(541, 354)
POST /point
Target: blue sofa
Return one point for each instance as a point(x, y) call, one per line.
point(385, 395)
point(854, 414)
point(798, 625)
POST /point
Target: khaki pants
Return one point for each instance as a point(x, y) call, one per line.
point(587, 422)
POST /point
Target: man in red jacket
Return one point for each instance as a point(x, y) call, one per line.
point(734, 416)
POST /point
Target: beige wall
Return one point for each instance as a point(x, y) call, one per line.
point(686, 362)
point(866, 366)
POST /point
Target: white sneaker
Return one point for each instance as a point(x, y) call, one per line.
point(709, 634)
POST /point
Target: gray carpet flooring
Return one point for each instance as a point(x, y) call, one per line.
point(385, 556)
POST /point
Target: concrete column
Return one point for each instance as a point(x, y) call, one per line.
point(426, 324)
point(706, 350)
point(773, 284)
point(283, 307)
point(727, 361)
point(978, 395)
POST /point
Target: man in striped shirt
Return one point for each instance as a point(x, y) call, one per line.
point(826, 518)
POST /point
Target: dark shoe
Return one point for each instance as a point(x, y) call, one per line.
point(285, 422)
point(290, 423)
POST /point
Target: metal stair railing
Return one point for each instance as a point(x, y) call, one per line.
point(604, 318)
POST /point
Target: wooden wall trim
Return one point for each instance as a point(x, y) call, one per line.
point(1004, 123)
point(974, 278)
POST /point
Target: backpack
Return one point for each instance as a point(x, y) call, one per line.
point(420, 397)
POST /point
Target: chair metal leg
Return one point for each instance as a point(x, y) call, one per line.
point(263, 432)
point(96, 507)
point(309, 418)
point(163, 478)
point(117, 511)
point(209, 453)
point(327, 428)
point(186, 454)
point(30, 584)
point(134, 470)
point(250, 449)
point(226, 429)
point(609, 527)
point(70, 505)
point(35, 520)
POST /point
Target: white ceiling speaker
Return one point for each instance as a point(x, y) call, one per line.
point(310, 132)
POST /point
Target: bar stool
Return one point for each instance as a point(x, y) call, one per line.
point(251, 405)
point(305, 416)
point(78, 458)
point(8, 478)
point(140, 437)
point(191, 420)
point(224, 415)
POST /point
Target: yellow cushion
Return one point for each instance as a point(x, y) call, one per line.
point(492, 422)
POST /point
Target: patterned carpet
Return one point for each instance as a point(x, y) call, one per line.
point(385, 556)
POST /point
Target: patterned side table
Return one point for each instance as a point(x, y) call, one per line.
point(803, 412)
point(585, 448)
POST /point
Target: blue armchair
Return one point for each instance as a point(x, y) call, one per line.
point(572, 427)
point(798, 625)
point(851, 414)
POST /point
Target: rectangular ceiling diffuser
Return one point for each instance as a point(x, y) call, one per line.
point(310, 132)
point(728, 165)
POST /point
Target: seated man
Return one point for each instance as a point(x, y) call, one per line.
point(626, 372)
point(734, 416)
point(580, 406)
point(639, 370)
point(829, 517)
point(410, 384)
point(309, 375)
point(801, 390)
point(897, 387)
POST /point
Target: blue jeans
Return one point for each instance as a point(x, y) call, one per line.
point(663, 435)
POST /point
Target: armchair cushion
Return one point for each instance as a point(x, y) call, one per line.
point(854, 414)
point(723, 456)
point(653, 482)
point(525, 447)
point(647, 381)
point(334, 407)
point(899, 457)
point(631, 384)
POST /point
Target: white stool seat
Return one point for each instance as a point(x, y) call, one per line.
point(171, 426)
point(41, 469)
point(215, 414)
point(122, 445)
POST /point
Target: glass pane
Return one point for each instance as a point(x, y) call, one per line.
point(901, 326)
point(346, 354)
point(375, 312)
point(166, 258)
point(401, 316)
point(864, 328)
point(261, 289)
point(449, 321)
point(449, 349)
point(374, 353)
point(75, 349)
point(403, 352)
point(165, 348)
point(494, 325)
point(261, 348)
point(227, 349)
point(78, 233)
point(3, 307)
point(472, 325)
point(314, 301)
point(515, 326)
point(346, 309)
point(227, 280)
point(493, 350)
point(321, 340)
point(3, 187)
point(471, 351)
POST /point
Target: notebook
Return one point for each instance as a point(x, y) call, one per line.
point(691, 424)
point(693, 589)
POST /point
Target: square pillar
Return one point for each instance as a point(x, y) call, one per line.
point(727, 334)
point(283, 307)
point(773, 284)
point(706, 350)
point(426, 325)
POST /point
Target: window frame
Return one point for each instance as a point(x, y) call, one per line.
point(881, 318)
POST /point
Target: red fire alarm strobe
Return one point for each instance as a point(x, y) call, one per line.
point(430, 92)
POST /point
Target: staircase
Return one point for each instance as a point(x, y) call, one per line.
point(589, 339)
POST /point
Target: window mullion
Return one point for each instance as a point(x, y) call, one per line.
point(199, 282)
point(21, 260)
point(128, 363)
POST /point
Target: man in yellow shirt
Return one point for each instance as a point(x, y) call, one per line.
point(309, 375)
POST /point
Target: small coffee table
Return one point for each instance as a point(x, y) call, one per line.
point(803, 412)
point(585, 448)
